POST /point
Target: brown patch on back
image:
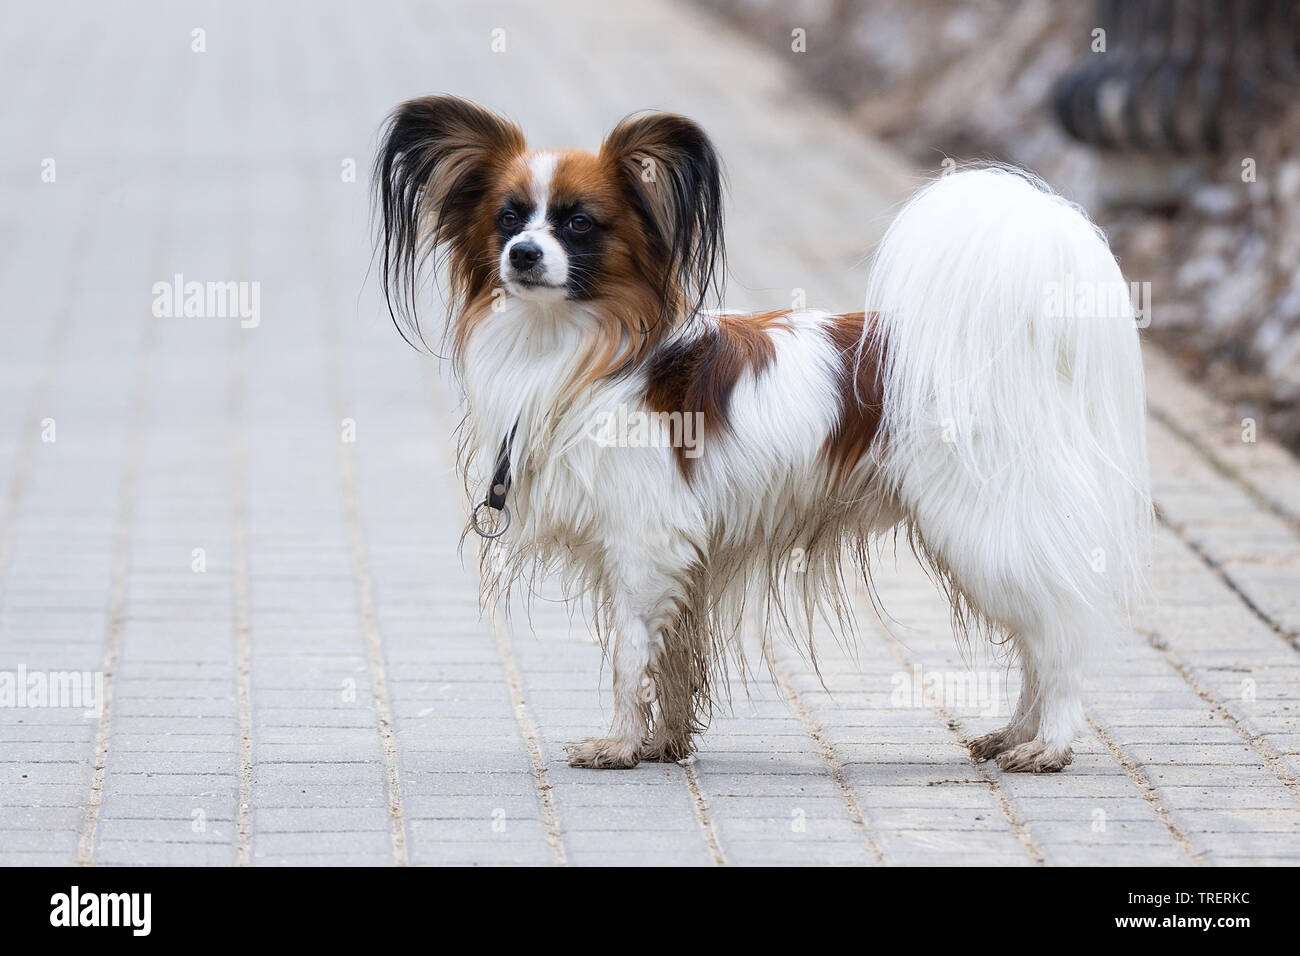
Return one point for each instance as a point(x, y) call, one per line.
point(859, 381)
point(700, 374)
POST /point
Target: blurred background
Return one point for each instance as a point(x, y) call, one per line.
point(1176, 123)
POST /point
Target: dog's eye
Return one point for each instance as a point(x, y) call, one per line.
point(580, 223)
point(508, 219)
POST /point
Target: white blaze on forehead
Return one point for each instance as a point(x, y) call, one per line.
point(542, 167)
point(555, 262)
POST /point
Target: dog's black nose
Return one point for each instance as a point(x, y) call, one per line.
point(525, 255)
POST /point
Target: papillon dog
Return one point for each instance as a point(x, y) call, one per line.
point(988, 403)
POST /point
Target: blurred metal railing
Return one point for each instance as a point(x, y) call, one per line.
point(1182, 76)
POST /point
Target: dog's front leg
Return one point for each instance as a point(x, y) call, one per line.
point(621, 749)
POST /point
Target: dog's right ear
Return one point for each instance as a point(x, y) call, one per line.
point(438, 158)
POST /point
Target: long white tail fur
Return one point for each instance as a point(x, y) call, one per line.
point(1015, 429)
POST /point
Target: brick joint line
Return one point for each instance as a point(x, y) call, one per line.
point(1018, 827)
point(826, 750)
point(118, 588)
point(1133, 769)
point(1290, 636)
point(702, 814)
point(531, 738)
point(372, 638)
point(243, 624)
point(1256, 494)
point(1271, 757)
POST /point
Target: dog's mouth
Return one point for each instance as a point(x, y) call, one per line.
point(525, 284)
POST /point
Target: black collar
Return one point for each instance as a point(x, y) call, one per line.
point(496, 496)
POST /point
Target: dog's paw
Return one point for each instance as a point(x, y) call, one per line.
point(1035, 756)
point(603, 753)
point(1000, 741)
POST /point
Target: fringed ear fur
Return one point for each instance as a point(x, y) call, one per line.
point(672, 170)
point(438, 160)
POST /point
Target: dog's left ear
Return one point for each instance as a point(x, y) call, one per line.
point(672, 170)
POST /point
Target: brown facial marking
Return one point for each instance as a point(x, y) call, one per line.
point(861, 393)
point(619, 281)
point(475, 273)
point(581, 177)
point(699, 375)
point(619, 284)
point(516, 183)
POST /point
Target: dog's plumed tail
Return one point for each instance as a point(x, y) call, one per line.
point(1013, 420)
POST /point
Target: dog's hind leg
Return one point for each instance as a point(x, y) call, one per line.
point(679, 683)
point(990, 555)
point(1023, 725)
point(1051, 684)
point(1050, 643)
point(672, 736)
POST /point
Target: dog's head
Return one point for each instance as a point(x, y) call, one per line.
point(635, 228)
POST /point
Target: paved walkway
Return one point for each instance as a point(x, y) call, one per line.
point(250, 532)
